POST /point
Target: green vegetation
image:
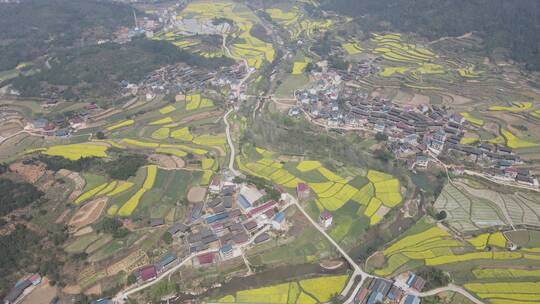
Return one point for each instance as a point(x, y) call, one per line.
point(125, 166)
point(453, 18)
point(32, 27)
point(16, 195)
point(96, 71)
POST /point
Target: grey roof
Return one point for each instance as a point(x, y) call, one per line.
point(178, 227)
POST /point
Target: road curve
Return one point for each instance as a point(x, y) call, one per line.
point(121, 297)
point(450, 287)
point(357, 269)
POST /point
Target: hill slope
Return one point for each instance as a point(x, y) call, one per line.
point(514, 25)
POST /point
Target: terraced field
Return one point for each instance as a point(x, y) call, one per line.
point(297, 23)
point(356, 202)
point(244, 45)
point(481, 257)
point(469, 209)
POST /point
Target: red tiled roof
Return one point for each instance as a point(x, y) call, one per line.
point(261, 208)
point(301, 187)
point(326, 215)
point(148, 273)
point(206, 258)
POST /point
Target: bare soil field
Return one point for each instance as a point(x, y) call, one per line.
point(43, 293)
point(31, 173)
point(180, 163)
point(77, 180)
point(83, 231)
point(196, 194)
point(88, 214)
point(164, 161)
point(94, 290)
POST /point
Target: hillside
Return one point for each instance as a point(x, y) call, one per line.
point(96, 71)
point(31, 28)
point(509, 24)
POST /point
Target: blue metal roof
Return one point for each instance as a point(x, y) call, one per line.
point(244, 203)
point(166, 260)
point(280, 216)
point(216, 217)
point(375, 297)
point(226, 248)
point(412, 300)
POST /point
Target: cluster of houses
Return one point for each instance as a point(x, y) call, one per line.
point(181, 79)
point(377, 290)
point(22, 288)
point(66, 124)
point(232, 216)
point(413, 133)
point(174, 79)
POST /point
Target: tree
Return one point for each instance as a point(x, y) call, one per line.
point(381, 136)
point(441, 215)
point(383, 155)
point(100, 135)
point(434, 277)
point(113, 226)
point(167, 238)
point(16, 195)
point(125, 166)
point(131, 279)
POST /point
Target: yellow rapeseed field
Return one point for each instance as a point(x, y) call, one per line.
point(123, 186)
point(472, 119)
point(107, 189)
point(182, 134)
point(77, 151)
point(132, 203)
point(515, 142)
point(161, 133)
point(324, 288)
point(167, 109)
point(276, 294)
point(161, 121)
point(121, 124)
point(171, 151)
point(308, 165)
point(516, 107)
point(299, 67)
point(90, 193)
point(151, 172)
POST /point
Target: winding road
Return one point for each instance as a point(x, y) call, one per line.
point(231, 144)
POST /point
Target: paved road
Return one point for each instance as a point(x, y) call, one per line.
point(121, 297)
point(231, 144)
point(450, 287)
point(357, 269)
